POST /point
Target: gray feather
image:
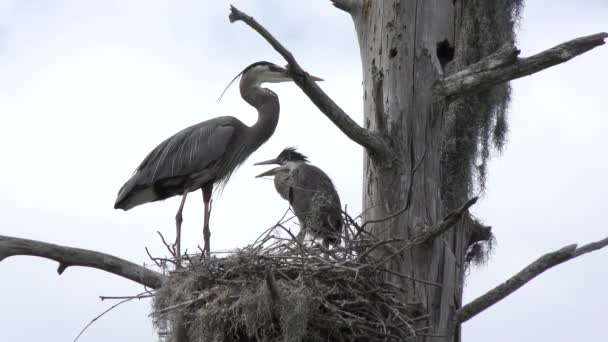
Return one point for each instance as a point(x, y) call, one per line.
point(314, 199)
point(190, 157)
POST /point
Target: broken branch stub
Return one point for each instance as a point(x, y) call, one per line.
point(503, 66)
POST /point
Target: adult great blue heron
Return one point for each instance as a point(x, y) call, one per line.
point(311, 194)
point(207, 153)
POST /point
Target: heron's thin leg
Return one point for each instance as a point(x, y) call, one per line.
point(325, 245)
point(207, 190)
point(301, 237)
point(178, 229)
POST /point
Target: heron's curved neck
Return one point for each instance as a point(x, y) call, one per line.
point(267, 104)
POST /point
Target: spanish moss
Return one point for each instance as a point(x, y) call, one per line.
point(477, 124)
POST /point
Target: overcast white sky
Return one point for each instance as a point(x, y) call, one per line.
point(87, 88)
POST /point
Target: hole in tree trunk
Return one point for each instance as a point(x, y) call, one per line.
point(445, 52)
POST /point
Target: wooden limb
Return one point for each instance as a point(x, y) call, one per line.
point(347, 5)
point(429, 234)
point(445, 224)
point(503, 66)
point(371, 141)
point(520, 279)
point(69, 256)
point(101, 315)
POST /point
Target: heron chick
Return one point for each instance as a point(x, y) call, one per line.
point(310, 193)
point(206, 154)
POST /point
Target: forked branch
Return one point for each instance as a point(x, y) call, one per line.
point(503, 66)
point(371, 141)
point(69, 256)
point(520, 279)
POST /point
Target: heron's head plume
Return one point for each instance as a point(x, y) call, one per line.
point(261, 72)
point(291, 154)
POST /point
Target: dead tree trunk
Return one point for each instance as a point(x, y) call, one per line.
point(398, 43)
point(406, 48)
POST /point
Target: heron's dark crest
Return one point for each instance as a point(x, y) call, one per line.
point(291, 154)
point(271, 67)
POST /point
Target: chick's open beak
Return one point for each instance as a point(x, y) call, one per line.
point(268, 162)
point(270, 172)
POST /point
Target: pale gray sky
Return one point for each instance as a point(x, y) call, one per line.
point(87, 88)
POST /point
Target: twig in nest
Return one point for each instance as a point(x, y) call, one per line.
point(169, 247)
point(147, 294)
point(105, 312)
point(154, 260)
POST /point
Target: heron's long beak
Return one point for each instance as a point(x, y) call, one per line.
point(268, 162)
point(270, 172)
point(315, 78)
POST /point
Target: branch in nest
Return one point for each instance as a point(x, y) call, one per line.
point(364, 137)
point(68, 256)
point(503, 66)
point(520, 279)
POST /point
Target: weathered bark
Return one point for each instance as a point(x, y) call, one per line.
point(398, 40)
point(405, 46)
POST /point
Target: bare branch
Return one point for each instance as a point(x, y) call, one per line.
point(69, 256)
point(503, 66)
point(428, 235)
point(371, 141)
point(138, 296)
point(101, 315)
point(520, 279)
point(445, 224)
point(346, 5)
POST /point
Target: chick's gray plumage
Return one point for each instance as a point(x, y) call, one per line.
point(311, 194)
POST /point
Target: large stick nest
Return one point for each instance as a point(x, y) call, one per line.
point(278, 289)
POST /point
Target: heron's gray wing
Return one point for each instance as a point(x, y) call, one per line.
point(193, 151)
point(190, 151)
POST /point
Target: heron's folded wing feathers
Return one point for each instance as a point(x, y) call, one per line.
point(189, 151)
